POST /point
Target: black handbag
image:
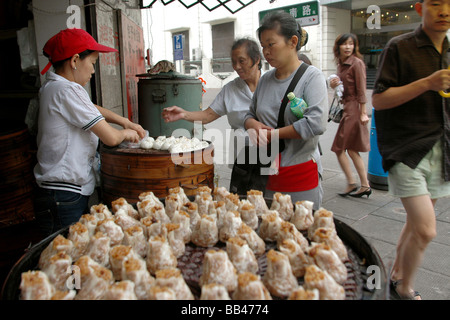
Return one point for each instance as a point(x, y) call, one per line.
point(246, 176)
point(336, 110)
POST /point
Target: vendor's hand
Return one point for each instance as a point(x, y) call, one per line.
point(334, 82)
point(131, 135)
point(439, 80)
point(174, 113)
point(364, 119)
point(137, 128)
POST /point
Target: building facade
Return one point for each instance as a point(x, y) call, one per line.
point(208, 35)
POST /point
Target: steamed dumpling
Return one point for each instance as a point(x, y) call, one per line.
point(147, 143)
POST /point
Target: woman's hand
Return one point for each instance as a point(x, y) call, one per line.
point(364, 119)
point(267, 135)
point(174, 113)
point(334, 82)
point(259, 133)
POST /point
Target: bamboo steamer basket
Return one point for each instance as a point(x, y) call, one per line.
point(127, 172)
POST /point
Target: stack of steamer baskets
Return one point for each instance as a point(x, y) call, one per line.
point(127, 171)
point(173, 266)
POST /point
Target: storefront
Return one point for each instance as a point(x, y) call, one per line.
point(395, 18)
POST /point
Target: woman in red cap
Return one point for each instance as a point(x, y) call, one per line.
point(69, 127)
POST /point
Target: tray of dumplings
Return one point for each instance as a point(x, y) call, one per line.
point(165, 144)
point(215, 245)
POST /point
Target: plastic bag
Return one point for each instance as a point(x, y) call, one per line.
point(339, 90)
point(27, 46)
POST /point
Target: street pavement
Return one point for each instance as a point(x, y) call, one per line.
point(379, 218)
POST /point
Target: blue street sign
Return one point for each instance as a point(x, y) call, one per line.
point(178, 47)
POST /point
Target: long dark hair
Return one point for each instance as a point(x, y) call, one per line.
point(252, 48)
point(286, 25)
point(340, 40)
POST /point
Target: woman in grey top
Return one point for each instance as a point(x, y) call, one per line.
point(299, 165)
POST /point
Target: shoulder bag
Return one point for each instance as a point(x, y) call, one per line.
point(336, 110)
point(247, 176)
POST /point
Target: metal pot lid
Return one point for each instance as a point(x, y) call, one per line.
point(172, 75)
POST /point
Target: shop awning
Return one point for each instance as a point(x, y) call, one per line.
point(231, 5)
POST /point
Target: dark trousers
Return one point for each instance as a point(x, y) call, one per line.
point(57, 209)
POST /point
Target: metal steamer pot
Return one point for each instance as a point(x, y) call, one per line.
point(166, 89)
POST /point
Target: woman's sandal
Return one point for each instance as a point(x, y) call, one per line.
point(352, 188)
point(367, 192)
point(398, 296)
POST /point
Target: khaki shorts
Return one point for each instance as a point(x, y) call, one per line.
point(426, 179)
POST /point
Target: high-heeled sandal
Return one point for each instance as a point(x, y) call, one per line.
point(367, 193)
point(353, 188)
point(397, 296)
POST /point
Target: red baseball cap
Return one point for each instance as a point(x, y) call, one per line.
point(69, 42)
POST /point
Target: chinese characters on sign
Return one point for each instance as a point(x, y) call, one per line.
point(307, 13)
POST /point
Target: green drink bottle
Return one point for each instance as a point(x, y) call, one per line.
point(297, 105)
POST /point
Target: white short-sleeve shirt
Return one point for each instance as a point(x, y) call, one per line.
point(66, 146)
point(233, 101)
